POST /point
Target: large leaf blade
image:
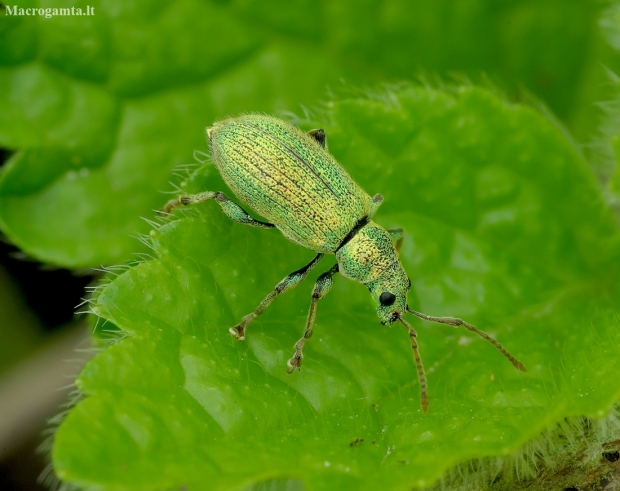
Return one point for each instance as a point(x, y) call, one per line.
point(189, 405)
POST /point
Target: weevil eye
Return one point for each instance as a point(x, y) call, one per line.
point(387, 299)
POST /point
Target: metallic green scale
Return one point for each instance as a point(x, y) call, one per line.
point(289, 178)
point(370, 258)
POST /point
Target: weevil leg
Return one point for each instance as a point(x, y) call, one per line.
point(321, 288)
point(319, 136)
point(456, 322)
point(377, 199)
point(397, 235)
point(291, 281)
point(231, 209)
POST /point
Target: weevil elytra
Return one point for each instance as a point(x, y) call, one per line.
point(289, 177)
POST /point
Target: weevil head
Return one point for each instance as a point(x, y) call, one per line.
point(390, 294)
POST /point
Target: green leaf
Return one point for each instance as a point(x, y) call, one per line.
point(504, 226)
point(102, 112)
point(99, 109)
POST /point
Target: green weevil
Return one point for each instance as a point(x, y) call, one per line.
point(288, 177)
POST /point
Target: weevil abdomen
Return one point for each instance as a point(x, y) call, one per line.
point(288, 178)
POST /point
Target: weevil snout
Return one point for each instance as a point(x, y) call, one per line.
point(390, 313)
point(390, 317)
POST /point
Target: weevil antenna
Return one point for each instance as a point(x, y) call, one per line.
point(455, 322)
point(418, 361)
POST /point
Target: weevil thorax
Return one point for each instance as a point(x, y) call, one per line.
point(371, 258)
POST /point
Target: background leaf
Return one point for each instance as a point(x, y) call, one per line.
point(99, 109)
point(505, 226)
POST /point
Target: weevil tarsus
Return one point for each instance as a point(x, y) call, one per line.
point(456, 322)
point(397, 235)
point(290, 281)
point(321, 288)
point(231, 209)
point(376, 202)
point(319, 136)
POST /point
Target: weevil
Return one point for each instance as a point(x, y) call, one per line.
point(288, 177)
